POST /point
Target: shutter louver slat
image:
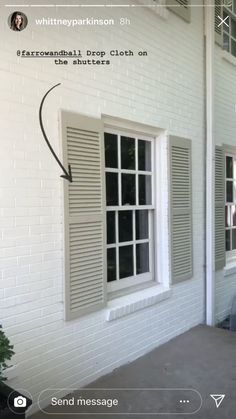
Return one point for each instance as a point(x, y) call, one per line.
point(180, 8)
point(78, 201)
point(84, 238)
point(217, 13)
point(219, 208)
point(181, 209)
point(183, 2)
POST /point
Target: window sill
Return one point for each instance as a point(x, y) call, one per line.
point(230, 267)
point(136, 301)
point(229, 57)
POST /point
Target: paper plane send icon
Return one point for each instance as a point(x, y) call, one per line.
point(218, 398)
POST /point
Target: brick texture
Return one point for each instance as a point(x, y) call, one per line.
point(164, 89)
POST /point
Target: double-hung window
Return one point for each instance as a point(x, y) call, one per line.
point(129, 177)
point(109, 211)
point(230, 205)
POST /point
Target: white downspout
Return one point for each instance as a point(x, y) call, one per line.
point(210, 163)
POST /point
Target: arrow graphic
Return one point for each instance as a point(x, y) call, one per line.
point(218, 399)
point(67, 175)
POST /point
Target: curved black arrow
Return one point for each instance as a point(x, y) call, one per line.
point(67, 175)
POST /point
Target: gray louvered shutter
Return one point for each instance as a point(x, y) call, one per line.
point(181, 209)
point(181, 8)
point(218, 29)
point(85, 277)
point(219, 208)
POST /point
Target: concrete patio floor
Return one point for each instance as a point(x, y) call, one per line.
point(203, 359)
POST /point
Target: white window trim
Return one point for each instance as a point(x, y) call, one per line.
point(230, 268)
point(161, 180)
point(162, 205)
point(230, 254)
point(227, 56)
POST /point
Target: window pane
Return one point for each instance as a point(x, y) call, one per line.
point(233, 239)
point(145, 193)
point(111, 227)
point(125, 226)
point(233, 47)
point(128, 189)
point(111, 265)
point(227, 216)
point(229, 167)
point(226, 42)
point(227, 240)
point(127, 153)
point(141, 224)
point(126, 261)
point(142, 257)
point(229, 191)
point(233, 215)
point(111, 156)
point(112, 188)
point(233, 28)
point(234, 168)
point(234, 196)
point(144, 155)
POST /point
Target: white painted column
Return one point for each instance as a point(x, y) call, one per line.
point(210, 164)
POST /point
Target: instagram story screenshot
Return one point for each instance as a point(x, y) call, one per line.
point(118, 209)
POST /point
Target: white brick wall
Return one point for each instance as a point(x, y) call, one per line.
point(225, 131)
point(166, 89)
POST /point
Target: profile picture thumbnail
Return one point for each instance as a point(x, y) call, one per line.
point(17, 21)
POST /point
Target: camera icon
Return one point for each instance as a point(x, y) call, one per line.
point(19, 401)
